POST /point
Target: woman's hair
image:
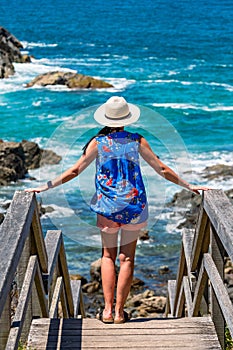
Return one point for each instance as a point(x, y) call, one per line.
point(105, 131)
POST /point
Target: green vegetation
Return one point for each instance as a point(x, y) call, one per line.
point(228, 340)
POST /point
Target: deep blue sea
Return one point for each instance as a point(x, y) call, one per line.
point(173, 58)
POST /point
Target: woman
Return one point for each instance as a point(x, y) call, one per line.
point(120, 200)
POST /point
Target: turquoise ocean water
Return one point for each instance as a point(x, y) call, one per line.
point(174, 59)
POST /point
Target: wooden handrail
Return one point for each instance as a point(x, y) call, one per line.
point(38, 267)
point(199, 288)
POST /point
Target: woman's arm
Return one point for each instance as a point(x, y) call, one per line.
point(72, 172)
point(163, 170)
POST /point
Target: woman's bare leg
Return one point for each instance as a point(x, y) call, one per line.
point(108, 272)
point(126, 257)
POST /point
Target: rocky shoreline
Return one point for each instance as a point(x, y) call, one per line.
point(16, 158)
point(10, 52)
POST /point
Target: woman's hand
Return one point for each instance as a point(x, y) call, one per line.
point(37, 189)
point(197, 188)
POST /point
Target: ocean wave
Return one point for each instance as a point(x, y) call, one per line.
point(26, 72)
point(227, 87)
point(212, 108)
point(30, 45)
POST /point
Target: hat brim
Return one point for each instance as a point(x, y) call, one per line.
point(132, 117)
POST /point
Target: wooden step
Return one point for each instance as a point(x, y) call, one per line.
point(195, 333)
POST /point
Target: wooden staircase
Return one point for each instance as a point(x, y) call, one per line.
point(197, 333)
point(50, 312)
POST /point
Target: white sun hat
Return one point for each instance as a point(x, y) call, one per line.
point(117, 112)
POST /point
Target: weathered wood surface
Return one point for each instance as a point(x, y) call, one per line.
point(202, 259)
point(220, 211)
point(56, 256)
point(220, 290)
point(14, 232)
point(187, 333)
point(76, 288)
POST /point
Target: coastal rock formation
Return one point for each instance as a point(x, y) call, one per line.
point(69, 79)
point(217, 171)
point(10, 52)
point(17, 157)
point(36, 157)
point(188, 203)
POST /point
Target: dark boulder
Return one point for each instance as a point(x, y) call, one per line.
point(36, 157)
point(10, 52)
point(16, 158)
point(12, 162)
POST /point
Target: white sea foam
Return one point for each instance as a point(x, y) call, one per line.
point(212, 108)
point(30, 45)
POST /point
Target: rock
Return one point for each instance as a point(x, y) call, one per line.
point(6, 67)
point(79, 278)
point(10, 52)
point(95, 270)
point(91, 287)
point(144, 235)
point(17, 157)
point(184, 199)
point(137, 300)
point(218, 171)
point(71, 80)
point(187, 203)
point(49, 157)
point(154, 304)
point(36, 157)
point(137, 283)
point(164, 270)
point(48, 209)
point(12, 162)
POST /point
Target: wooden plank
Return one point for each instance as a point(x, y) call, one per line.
point(188, 296)
point(92, 334)
point(13, 232)
point(5, 323)
point(220, 212)
point(188, 238)
point(19, 279)
point(39, 241)
point(220, 291)
point(53, 241)
point(182, 270)
point(200, 287)
point(171, 287)
point(76, 288)
point(66, 279)
point(65, 311)
point(217, 252)
point(156, 324)
point(20, 313)
point(41, 294)
point(179, 312)
point(55, 298)
point(198, 239)
point(56, 253)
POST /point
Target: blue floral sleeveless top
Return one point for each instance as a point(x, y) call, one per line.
point(120, 193)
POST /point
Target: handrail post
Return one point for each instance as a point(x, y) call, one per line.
point(20, 273)
point(217, 253)
point(5, 323)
